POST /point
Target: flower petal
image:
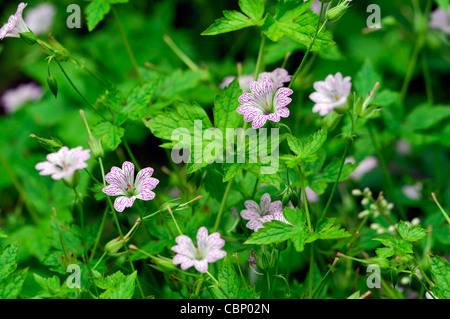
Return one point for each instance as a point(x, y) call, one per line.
point(201, 265)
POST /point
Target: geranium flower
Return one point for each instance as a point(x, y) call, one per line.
point(266, 102)
point(123, 184)
point(331, 93)
point(208, 250)
point(440, 19)
point(254, 212)
point(40, 18)
point(365, 166)
point(15, 24)
point(14, 98)
point(278, 76)
point(64, 163)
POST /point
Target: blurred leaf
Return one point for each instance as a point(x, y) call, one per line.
point(440, 272)
point(11, 286)
point(228, 279)
point(443, 4)
point(95, 12)
point(138, 101)
point(366, 78)
point(111, 134)
point(117, 285)
point(411, 234)
point(426, 117)
point(232, 21)
point(8, 260)
point(225, 105)
point(298, 23)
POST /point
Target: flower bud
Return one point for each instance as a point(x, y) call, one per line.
point(53, 85)
point(285, 199)
point(336, 13)
point(28, 37)
point(114, 245)
point(281, 246)
point(51, 145)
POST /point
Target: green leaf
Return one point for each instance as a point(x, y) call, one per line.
point(111, 134)
point(440, 272)
point(298, 23)
point(443, 4)
point(138, 101)
point(225, 105)
point(253, 8)
point(299, 239)
point(117, 285)
point(273, 232)
point(247, 293)
point(11, 286)
point(385, 252)
point(294, 144)
point(326, 229)
point(366, 78)
point(163, 124)
point(314, 143)
point(228, 279)
point(411, 234)
point(426, 117)
point(50, 286)
point(232, 21)
point(96, 12)
point(295, 216)
point(8, 259)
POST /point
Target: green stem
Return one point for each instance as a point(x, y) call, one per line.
point(440, 208)
point(33, 213)
point(427, 78)
point(174, 220)
point(346, 148)
point(119, 229)
point(311, 270)
point(78, 91)
point(99, 234)
point(127, 45)
point(323, 278)
point(305, 200)
point(183, 57)
point(318, 29)
point(98, 262)
point(260, 56)
point(223, 204)
point(130, 153)
point(386, 174)
point(95, 76)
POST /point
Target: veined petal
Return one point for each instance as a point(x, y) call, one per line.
point(251, 205)
point(146, 195)
point(113, 190)
point(215, 255)
point(128, 171)
point(249, 214)
point(276, 207)
point(259, 121)
point(265, 202)
point(122, 202)
point(201, 265)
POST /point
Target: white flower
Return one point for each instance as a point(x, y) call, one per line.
point(311, 196)
point(208, 250)
point(64, 163)
point(413, 192)
point(13, 99)
point(40, 18)
point(15, 24)
point(365, 166)
point(440, 19)
point(331, 93)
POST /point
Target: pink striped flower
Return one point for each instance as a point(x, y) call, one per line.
point(266, 102)
point(208, 250)
point(15, 24)
point(123, 184)
point(278, 76)
point(64, 163)
point(331, 93)
point(255, 213)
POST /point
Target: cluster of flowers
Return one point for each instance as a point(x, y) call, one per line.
point(374, 207)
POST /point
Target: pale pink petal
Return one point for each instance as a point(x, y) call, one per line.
point(249, 214)
point(201, 265)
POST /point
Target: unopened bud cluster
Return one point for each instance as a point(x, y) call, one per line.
point(373, 207)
